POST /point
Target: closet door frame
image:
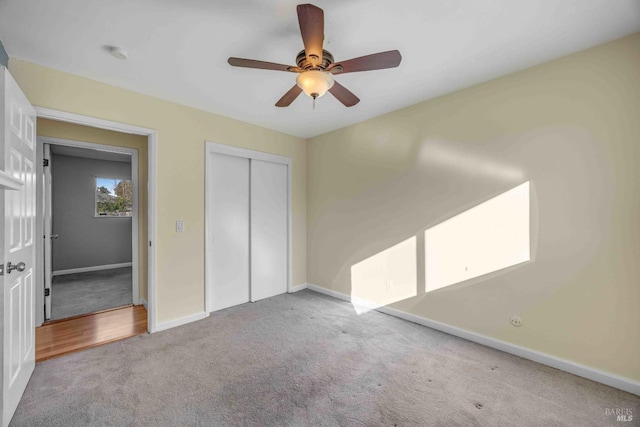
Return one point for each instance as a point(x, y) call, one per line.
point(210, 149)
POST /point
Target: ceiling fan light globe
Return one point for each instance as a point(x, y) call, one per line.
point(314, 83)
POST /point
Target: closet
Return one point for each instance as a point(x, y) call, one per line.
point(247, 226)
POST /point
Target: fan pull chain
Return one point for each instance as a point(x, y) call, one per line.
point(314, 104)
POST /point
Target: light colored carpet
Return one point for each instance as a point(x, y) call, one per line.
point(308, 360)
point(82, 293)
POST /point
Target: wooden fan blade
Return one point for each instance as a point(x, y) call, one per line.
point(252, 63)
point(311, 20)
point(344, 95)
point(289, 97)
point(376, 61)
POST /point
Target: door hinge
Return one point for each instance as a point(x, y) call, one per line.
point(47, 292)
point(149, 243)
point(1, 269)
point(45, 162)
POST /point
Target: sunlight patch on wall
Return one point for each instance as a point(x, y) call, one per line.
point(386, 277)
point(486, 238)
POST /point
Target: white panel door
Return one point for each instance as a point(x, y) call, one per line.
point(269, 234)
point(229, 231)
point(18, 255)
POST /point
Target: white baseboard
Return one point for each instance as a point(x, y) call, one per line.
point(94, 268)
point(181, 321)
point(329, 292)
point(298, 288)
point(593, 374)
point(142, 301)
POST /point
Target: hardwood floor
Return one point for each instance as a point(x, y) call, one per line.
point(82, 332)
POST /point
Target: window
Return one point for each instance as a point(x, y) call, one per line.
point(489, 237)
point(114, 197)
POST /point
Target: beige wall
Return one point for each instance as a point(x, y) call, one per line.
point(571, 127)
point(55, 129)
point(180, 164)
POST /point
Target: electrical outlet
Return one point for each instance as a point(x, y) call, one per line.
point(179, 226)
point(516, 321)
point(390, 286)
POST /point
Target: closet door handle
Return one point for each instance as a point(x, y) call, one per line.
point(54, 236)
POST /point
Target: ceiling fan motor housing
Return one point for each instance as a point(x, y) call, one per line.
point(301, 60)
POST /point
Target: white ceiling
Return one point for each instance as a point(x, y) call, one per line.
point(178, 48)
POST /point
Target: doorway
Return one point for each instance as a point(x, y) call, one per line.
point(147, 162)
point(91, 220)
point(248, 225)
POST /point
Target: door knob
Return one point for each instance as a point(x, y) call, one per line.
point(19, 266)
point(54, 236)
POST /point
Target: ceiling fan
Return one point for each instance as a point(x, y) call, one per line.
point(316, 66)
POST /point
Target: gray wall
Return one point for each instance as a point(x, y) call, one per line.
point(4, 57)
point(84, 240)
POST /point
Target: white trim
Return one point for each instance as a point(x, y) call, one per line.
point(135, 226)
point(142, 301)
point(207, 231)
point(181, 321)
point(214, 147)
point(152, 148)
point(229, 150)
point(93, 268)
point(290, 224)
point(335, 294)
point(297, 288)
point(88, 145)
point(152, 235)
point(79, 119)
point(593, 374)
point(39, 244)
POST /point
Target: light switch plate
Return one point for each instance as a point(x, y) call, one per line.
point(179, 226)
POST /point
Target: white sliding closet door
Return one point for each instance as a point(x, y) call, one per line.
point(269, 229)
point(229, 231)
point(248, 216)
